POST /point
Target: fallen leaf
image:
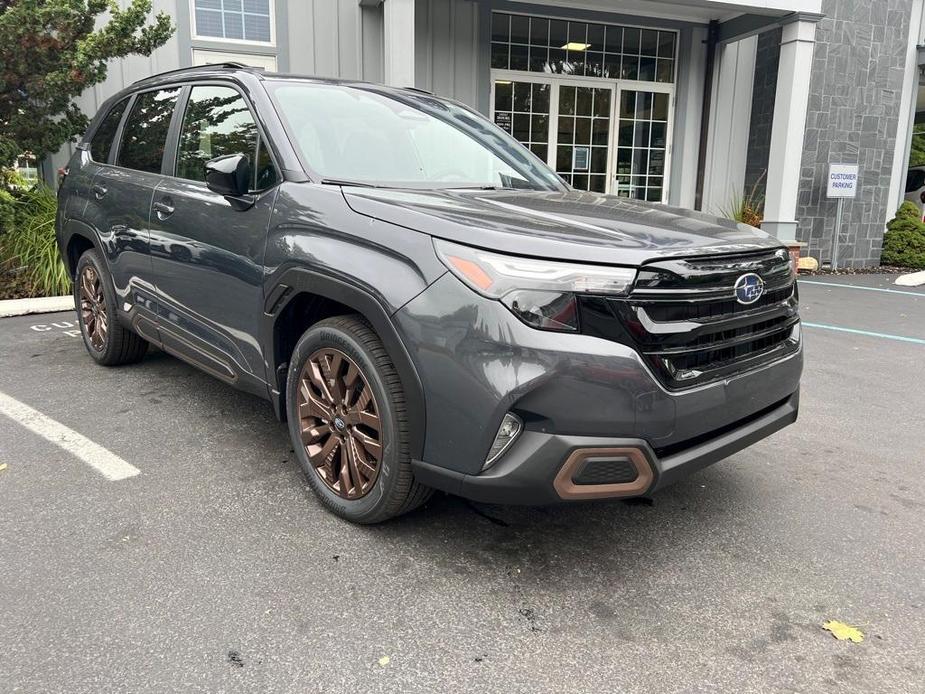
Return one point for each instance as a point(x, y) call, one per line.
point(2, 467)
point(384, 660)
point(844, 632)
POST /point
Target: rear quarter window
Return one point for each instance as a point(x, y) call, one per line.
point(144, 137)
point(101, 142)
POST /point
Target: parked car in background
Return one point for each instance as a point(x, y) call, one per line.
point(915, 186)
point(424, 300)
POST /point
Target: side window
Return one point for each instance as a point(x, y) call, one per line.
point(218, 122)
point(145, 134)
point(101, 143)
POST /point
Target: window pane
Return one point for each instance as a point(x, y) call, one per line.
point(101, 144)
point(256, 27)
point(500, 27)
point(209, 23)
point(145, 134)
point(217, 122)
point(256, 6)
point(264, 173)
point(520, 29)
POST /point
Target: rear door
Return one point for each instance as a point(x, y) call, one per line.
point(207, 250)
point(120, 200)
point(90, 159)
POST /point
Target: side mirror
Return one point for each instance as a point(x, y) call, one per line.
point(229, 175)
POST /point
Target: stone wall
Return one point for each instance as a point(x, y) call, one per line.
point(854, 110)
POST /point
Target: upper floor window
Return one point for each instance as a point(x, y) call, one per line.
point(538, 44)
point(234, 20)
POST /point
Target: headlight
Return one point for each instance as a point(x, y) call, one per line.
point(539, 292)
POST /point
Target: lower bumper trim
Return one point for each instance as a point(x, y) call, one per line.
point(529, 472)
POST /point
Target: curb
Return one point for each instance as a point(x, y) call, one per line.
point(913, 279)
point(44, 304)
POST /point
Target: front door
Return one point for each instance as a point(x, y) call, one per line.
point(598, 135)
point(582, 134)
point(208, 250)
point(643, 143)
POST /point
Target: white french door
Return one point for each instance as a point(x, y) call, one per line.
point(643, 122)
point(599, 135)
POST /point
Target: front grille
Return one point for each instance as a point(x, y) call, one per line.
point(683, 318)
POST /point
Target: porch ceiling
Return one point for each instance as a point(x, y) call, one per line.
point(700, 11)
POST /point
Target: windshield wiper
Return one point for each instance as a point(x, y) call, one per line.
point(345, 182)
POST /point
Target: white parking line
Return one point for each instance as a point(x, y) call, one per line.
point(108, 464)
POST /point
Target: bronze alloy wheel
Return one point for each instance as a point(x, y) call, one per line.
point(93, 307)
point(339, 421)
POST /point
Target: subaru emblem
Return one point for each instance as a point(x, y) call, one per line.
point(749, 288)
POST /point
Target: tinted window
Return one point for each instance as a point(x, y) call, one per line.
point(218, 122)
point(915, 180)
point(145, 133)
point(101, 144)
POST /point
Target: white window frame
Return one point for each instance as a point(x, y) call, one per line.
point(207, 56)
point(555, 80)
point(242, 42)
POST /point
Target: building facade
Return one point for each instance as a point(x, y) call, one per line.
point(694, 103)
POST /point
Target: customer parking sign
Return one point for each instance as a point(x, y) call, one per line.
point(843, 181)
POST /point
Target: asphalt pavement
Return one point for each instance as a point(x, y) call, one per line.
point(214, 569)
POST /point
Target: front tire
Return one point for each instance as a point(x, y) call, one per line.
point(348, 422)
point(106, 340)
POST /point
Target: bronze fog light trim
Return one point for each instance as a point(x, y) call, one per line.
point(340, 425)
point(567, 489)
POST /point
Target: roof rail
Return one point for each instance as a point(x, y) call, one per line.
point(193, 68)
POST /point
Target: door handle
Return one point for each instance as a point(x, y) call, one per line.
point(99, 191)
point(163, 208)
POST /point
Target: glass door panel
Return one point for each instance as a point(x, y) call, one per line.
point(643, 142)
point(583, 136)
point(522, 109)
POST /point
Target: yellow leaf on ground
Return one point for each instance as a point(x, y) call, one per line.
point(844, 632)
point(384, 660)
point(2, 467)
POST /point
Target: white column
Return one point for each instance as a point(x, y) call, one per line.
point(399, 42)
point(791, 101)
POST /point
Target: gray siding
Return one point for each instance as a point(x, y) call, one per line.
point(764, 90)
point(335, 38)
point(854, 110)
point(447, 48)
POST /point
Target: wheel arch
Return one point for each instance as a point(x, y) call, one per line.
point(78, 238)
point(301, 297)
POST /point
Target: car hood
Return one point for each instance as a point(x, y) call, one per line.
point(571, 225)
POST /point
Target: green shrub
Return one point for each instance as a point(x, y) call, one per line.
point(904, 240)
point(29, 242)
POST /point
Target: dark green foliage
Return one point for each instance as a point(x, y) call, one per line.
point(50, 52)
point(904, 241)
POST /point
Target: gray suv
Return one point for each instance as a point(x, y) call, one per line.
point(425, 301)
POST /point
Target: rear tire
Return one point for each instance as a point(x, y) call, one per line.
point(106, 339)
point(346, 408)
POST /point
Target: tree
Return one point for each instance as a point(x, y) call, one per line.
point(50, 52)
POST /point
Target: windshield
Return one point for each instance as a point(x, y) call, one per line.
point(358, 134)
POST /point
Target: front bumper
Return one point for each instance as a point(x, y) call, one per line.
point(528, 473)
point(477, 361)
